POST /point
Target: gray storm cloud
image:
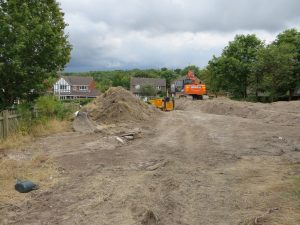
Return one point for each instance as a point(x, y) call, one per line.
point(111, 34)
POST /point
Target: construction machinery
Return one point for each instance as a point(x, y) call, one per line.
point(164, 104)
point(189, 86)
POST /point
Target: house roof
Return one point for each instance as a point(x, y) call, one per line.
point(77, 80)
point(144, 81)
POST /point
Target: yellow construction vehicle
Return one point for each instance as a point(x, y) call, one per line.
point(164, 104)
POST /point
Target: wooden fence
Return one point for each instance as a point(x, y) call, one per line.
point(9, 119)
point(9, 123)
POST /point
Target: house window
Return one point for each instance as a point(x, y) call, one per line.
point(158, 88)
point(63, 87)
point(82, 88)
point(137, 87)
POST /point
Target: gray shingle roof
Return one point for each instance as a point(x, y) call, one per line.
point(150, 81)
point(77, 80)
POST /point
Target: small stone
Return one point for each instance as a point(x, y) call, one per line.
point(129, 137)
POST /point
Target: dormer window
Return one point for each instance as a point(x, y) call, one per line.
point(83, 88)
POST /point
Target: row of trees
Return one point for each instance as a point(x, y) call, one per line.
point(248, 66)
point(106, 79)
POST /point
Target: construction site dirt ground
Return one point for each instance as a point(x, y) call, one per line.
point(212, 162)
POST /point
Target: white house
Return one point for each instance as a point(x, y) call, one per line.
point(72, 87)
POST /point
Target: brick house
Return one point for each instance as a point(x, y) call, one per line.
point(73, 87)
point(137, 82)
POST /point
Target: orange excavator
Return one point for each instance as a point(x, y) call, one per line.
point(190, 87)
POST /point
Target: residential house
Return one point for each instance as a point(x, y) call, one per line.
point(137, 82)
point(73, 87)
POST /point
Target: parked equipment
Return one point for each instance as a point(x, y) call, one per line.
point(189, 87)
point(164, 104)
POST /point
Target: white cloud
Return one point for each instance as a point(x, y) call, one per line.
point(111, 34)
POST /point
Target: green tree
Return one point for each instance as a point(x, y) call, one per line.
point(214, 76)
point(177, 71)
point(275, 69)
point(33, 46)
point(169, 76)
point(289, 43)
point(147, 90)
point(242, 53)
point(146, 73)
point(104, 84)
point(194, 68)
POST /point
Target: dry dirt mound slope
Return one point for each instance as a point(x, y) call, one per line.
point(118, 105)
point(279, 112)
point(83, 124)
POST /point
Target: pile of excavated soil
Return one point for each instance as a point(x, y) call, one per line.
point(118, 105)
point(278, 112)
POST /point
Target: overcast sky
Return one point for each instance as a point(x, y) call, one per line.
point(125, 34)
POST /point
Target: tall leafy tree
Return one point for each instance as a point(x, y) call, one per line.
point(289, 40)
point(33, 46)
point(275, 69)
point(169, 76)
point(242, 52)
point(214, 75)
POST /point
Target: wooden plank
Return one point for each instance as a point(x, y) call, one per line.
point(5, 124)
point(1, 129)
point(9, 123)
point(13, 116)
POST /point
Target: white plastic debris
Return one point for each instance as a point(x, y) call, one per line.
point(120, 140)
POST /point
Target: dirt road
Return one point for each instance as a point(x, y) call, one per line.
point(189, 167)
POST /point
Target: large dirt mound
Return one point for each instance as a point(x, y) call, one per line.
point(118, 105)
point(279, 112)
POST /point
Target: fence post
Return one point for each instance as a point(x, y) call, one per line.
point(5, 123)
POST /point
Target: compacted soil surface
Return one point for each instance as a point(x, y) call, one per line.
point(211, 162)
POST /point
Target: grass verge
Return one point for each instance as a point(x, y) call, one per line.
point(31, 164)
point(21, 138)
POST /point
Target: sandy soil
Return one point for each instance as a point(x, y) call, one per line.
point(213, 162)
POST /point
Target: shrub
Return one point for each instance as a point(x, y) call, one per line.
point(51, 107)
point(147, 90)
